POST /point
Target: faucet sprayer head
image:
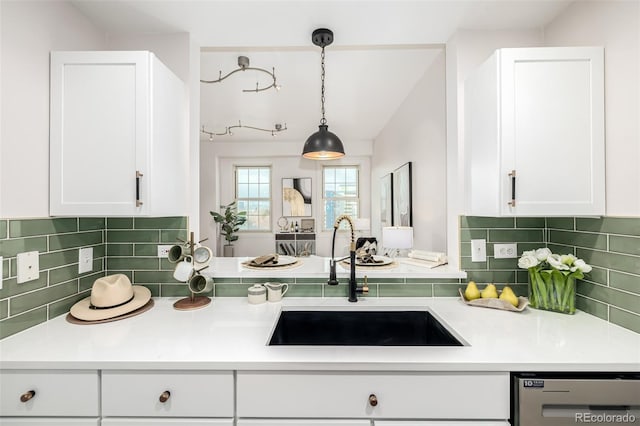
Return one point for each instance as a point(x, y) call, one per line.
point(350, 222)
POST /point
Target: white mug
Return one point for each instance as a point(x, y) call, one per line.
point(200, 284)
point(177, 253)
point(275, 291)
point(183, 270)
point(202, 255)
point(257, 294)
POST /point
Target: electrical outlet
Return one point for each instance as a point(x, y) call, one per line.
point(478, 250)
point(163, 250)
point(85, 260)
point(505, 251)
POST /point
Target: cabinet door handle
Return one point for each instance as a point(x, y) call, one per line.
point(512, 175)
point(164, 396)
point(27, 396)
point(373, 400)
point(138, 177)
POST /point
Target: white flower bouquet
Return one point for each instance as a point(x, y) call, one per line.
point(552, 279)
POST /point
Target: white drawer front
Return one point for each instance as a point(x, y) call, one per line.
point(302, 422)
point(26, 421)
point(55, 393)
point(191, 394)
point(167, 422)
point(442, 423)
point(398, 394)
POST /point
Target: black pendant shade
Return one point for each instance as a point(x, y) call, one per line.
point(323, 145)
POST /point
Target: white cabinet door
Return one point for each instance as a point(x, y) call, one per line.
point(442, 423)
point(302, 422)
point(45, 421)
point(167, 422)
point(356, 395)
point(534, 133)
point(118, 142)
point(167, 394)
point(63, 393)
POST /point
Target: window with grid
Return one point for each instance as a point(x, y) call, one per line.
point(253, 195)
point(340, 193)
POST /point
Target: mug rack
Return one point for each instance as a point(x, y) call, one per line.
point(193, 301)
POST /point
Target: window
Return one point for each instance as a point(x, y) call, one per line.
point(253, 194)
point(340, 193)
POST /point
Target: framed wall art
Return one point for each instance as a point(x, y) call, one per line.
point(386, 200)
point(296, 197)
point(401, 184)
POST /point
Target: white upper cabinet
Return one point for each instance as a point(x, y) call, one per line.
point(118, 142)
point(534, 133)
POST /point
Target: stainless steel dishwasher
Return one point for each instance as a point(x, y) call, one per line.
point(555, 399)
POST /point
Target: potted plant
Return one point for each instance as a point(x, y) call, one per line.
point(230, 222)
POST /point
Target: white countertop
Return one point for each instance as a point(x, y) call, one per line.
point(316, 266)
point(231, 334)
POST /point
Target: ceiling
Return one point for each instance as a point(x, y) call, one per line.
point(381, 50)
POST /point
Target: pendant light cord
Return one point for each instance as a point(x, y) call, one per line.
point(324, 120)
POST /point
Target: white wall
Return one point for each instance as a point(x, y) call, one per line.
point(29, 31)
point(217, 187)
point(616, 26)
point(417, 133)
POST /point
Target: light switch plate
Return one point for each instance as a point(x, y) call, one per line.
point(85, 260)
point(1, 272)
point(478, 250)
point(28, 267)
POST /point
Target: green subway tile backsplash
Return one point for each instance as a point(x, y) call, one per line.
point(32, 227)
point(79, 239)
point(610, 225)
point(120, 245)
point(626, 245)
point(11, 247)
point(129, 245)
point(160, 223)
point(579, 239)
point(611, 245)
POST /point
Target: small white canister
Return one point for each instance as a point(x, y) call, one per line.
point(257, 294)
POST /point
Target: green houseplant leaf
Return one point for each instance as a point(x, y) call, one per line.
point(230, 221)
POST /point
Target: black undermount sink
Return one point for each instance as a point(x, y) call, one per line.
point(360, 328)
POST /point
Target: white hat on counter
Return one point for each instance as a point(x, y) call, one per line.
point(111, 296)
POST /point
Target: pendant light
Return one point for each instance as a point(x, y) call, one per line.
point(323, 145)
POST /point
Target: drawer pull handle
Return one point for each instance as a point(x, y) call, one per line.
point(27, 396)
point(164, 396)
point(373, 400)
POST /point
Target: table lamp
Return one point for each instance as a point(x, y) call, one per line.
point(397, 237)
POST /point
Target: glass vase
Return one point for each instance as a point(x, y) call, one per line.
point(552, 290)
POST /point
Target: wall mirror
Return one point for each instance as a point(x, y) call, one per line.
point(402, 211)
point(296, 197)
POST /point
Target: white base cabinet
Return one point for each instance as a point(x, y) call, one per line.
point(441, 423)
point(43, 421)
point(61, 393)
point(302, 422)
point(167, 394)
point(534, 133)
point(119, 140)
point(253, 398)
point(389, 395)
point(167, 422)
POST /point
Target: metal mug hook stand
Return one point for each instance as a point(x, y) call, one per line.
point(193, 301)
